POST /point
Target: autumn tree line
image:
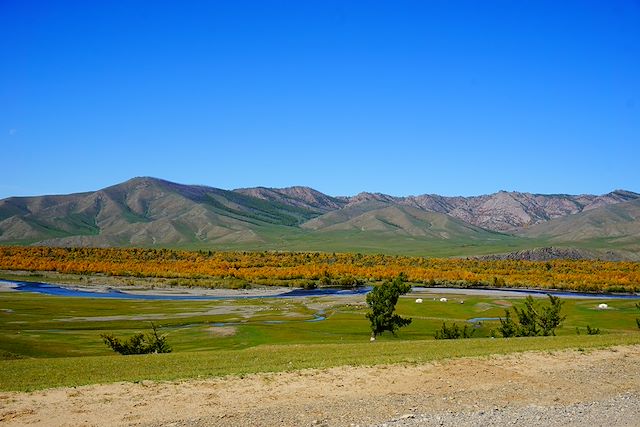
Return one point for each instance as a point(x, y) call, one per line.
point(274, 267)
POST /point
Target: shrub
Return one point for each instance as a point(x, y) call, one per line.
point(497, 282)
point(308, 285)
point(326, 279)
point(349, 282)
point(527, 318)
point(592, 331)
point(508, 328)
point(346, 282)
point(533, 320)
point(551, 317)
point(453, 332)
point(139, 343)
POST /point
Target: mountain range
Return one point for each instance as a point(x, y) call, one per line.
point(153, 212)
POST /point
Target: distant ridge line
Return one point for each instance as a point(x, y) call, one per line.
point(147, 211)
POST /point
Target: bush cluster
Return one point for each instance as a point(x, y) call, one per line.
point(139, 343)
point(533, 318)
point(453, 332)
point(346, 282)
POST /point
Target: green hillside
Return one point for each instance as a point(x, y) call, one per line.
point(609, 227)
point(143, 211)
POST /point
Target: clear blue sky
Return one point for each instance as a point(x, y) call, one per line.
point(400, 97)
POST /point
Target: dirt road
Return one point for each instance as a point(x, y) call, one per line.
point(584, 385)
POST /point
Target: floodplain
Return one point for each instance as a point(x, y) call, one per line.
point(49, 341)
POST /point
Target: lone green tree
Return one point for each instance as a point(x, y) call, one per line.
point(382, 301)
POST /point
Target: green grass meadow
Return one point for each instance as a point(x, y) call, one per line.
point(49, 341)
point(34, 374)
point(372, 242)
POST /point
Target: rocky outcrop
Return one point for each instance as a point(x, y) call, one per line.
point(508, 211)
point(551, 253)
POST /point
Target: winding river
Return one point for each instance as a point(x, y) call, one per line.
point(70, 291)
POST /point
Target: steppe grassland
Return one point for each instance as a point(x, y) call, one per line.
point(58, 339)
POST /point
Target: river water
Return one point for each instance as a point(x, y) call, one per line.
point(70, 291)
